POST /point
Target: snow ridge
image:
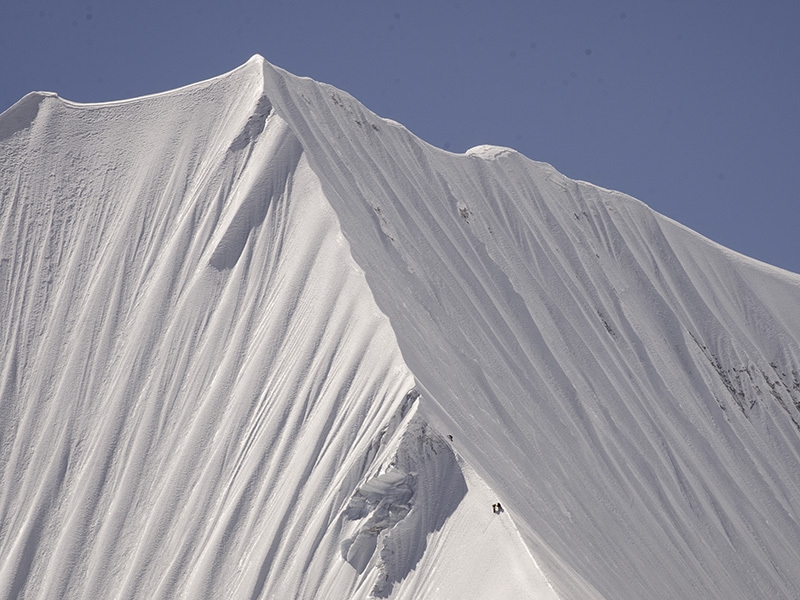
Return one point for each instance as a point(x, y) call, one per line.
point(551, 324)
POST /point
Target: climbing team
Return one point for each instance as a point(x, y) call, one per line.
point(497, 508)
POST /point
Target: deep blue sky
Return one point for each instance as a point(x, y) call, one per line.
point(689, 105)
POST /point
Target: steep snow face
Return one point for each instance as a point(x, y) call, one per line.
point(260, 342)
point(197, 386)
point(193, 366)
point(628, 388)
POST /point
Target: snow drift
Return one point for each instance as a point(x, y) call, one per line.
point(259, 342)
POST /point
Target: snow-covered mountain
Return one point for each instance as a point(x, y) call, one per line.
point(258, 342)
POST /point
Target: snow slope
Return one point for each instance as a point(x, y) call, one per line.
point(242, 318)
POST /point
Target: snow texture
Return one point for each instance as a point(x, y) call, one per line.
point(259, 342)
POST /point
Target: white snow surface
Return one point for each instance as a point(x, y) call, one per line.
point(258, 342)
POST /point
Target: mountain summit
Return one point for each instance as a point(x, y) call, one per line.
point(258, 342)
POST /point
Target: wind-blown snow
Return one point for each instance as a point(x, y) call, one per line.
point(259, 342)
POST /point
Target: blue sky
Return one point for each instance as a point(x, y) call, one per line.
point(690, 106)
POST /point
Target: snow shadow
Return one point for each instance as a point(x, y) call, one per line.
point(269, 175)
point(21, 115)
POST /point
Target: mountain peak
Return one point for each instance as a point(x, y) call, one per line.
point(261, 341)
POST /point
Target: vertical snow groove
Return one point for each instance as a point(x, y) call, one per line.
point(274, 160)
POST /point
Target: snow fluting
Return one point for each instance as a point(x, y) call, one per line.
point(259, 342)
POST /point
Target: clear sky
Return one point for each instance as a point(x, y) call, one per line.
point(688, 105)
